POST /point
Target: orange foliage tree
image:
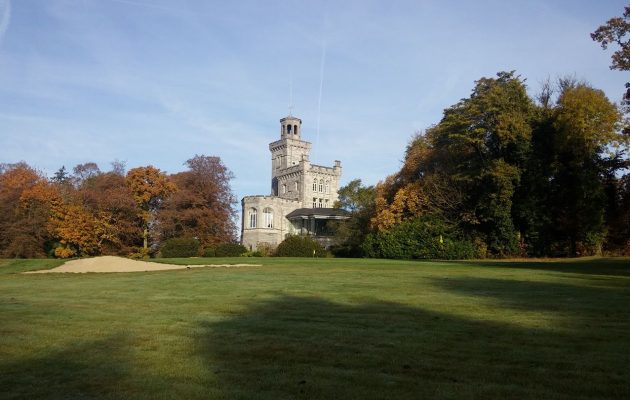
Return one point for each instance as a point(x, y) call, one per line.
point(149, 187)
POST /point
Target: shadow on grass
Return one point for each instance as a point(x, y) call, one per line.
point(295, 347)
point(88, 370)
point(613, 266)
point(581, 305)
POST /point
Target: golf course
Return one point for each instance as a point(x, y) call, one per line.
point(290, 328)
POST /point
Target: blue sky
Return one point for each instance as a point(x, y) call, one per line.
point(156, 82)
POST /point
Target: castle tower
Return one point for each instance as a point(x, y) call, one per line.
point(302, 194)
point(287, 153)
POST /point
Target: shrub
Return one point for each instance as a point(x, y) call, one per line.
point(139, 253)
point(209, 252)
point(300, 246)
point(264, 249)
point(229, 250)
point(422, 238)
point(180, 247)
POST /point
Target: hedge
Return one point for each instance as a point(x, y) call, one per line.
point(225, 250)
point(180, 247)
point(300, 246)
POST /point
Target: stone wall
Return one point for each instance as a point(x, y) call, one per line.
point(250, 237)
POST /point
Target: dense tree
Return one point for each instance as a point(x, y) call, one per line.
point(203, 206)
point(93, 212)
point(149, 187)
point(467, 168)
point(511, 176)
point(110, 200)
point(23, 219)
point(358, 201)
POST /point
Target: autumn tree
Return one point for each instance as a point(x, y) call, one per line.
point(23, 216)
point(203, 206)
point(150, 187)
point(84, 172)
point(585, 133)
point(616, 32)
point(465, 170)
point(110, 200)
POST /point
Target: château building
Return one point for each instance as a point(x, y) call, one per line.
point(302, 194)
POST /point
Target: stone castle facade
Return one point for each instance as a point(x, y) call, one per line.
point(302, 194)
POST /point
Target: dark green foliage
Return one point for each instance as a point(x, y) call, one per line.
point(229, 250)
point(209, 252)
point(180, 247)
point(518, 178)
point(358, 200)
point(482, 143)
point(569, 185)
point(300, 246)
point(421, 238)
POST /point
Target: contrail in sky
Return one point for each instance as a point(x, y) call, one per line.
point(321, 89)
point(5, 17)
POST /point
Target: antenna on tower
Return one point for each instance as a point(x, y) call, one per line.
point(291, 92)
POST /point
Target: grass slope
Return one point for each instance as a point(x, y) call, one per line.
point(309, 328)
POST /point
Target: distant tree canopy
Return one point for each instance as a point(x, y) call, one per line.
point(511, 176)
point(91, 212)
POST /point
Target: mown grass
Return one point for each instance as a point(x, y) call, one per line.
point(319, 328)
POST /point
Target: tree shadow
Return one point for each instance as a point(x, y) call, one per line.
point(612, 266)
point(582, 306)
point(88, 370)
point(296, 347)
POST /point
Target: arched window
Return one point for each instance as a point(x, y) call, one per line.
point(284, 188)
point(315, 185)
point(296, 187)
point(268, 217)
point(321, 185)
point(295, 132)
point(252, 217)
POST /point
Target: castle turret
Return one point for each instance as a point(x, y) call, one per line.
point(290, 127)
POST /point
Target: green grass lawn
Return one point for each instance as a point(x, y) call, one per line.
point(319, 328)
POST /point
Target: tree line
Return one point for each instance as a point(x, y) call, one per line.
point(90, 212)
point(502, 174)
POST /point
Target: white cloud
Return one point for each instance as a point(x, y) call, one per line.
point(5, 17)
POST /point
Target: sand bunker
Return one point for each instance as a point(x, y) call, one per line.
point(120, 264)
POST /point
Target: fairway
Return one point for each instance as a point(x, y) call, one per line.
point(319, 328)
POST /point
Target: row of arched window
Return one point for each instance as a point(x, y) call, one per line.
point(324, 187)
point(267, 218)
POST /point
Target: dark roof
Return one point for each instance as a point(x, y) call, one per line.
point(324, 213)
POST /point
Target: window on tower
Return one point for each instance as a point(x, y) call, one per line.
point(252, 217)
point(268, 217)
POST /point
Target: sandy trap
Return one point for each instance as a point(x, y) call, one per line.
point(120, 264)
